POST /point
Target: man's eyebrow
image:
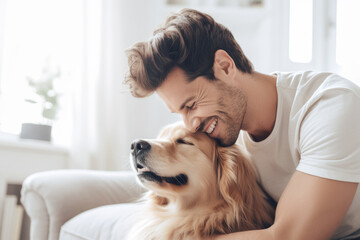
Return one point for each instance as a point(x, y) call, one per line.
point(185, 102)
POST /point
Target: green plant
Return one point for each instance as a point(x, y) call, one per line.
point(46, 95)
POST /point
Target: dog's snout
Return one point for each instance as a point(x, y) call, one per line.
point(139, 146)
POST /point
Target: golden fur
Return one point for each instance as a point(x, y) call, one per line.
point(220, 196)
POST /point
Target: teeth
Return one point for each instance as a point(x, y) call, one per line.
point(212, 127)
point(144, 169)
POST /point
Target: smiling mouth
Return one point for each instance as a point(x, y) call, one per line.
point(144, 173)
point(212, 126)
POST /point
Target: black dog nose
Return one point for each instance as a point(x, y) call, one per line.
point(139, 146)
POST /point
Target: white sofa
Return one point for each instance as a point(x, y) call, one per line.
point(81, 204)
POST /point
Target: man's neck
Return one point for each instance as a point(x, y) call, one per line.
point(261, 105)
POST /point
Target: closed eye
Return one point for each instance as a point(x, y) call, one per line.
point(182, 141)
point(191, 106)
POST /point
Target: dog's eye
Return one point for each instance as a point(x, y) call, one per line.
point(182, 141)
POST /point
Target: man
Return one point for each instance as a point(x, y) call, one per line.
point(302, 129)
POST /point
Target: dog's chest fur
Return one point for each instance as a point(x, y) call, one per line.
point(164, 225)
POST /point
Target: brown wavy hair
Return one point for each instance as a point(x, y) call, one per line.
point(189, 40)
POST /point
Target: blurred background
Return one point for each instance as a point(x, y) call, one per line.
point(62, 64)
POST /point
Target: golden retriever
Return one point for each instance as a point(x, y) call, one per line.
point(197, 188)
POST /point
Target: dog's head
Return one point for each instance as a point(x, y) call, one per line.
point(176, 164)
point(190, 169)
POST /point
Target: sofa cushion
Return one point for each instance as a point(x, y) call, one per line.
point(103, 223)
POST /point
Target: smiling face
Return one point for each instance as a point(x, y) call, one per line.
point(207, 106)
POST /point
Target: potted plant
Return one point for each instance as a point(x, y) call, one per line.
point(45, 96)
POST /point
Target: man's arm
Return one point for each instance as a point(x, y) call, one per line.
point(310, 208)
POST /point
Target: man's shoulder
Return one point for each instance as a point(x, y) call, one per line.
point(302, 88)
point(315, 81)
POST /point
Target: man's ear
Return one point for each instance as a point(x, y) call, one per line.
point(224, 66)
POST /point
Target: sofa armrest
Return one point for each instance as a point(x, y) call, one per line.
point(53, 197)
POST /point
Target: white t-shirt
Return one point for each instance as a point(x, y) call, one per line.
point(317, 131)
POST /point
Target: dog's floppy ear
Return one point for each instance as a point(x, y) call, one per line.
point(239, 188)
point(236, 176)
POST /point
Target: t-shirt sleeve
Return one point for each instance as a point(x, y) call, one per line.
point(329, 143)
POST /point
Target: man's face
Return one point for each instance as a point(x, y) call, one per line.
point(213, 107)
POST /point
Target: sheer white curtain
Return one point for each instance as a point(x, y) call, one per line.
point(2, 18)
point(99, 125)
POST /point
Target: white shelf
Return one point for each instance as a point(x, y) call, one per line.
point(239, 16)
point(232, 10)
point(11, 141)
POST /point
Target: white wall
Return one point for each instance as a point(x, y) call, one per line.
point(142, 117)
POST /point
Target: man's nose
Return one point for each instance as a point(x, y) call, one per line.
point(192, 124)
point(139, 146)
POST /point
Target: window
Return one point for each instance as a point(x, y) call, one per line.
point(300, 31)
point(348, 37)
point(40, 39)
point(323, 35)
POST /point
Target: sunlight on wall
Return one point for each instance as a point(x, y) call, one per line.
point(37, 33)
point(348, 38)
point(300, 30)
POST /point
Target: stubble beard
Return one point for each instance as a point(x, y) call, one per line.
point(234, 102)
